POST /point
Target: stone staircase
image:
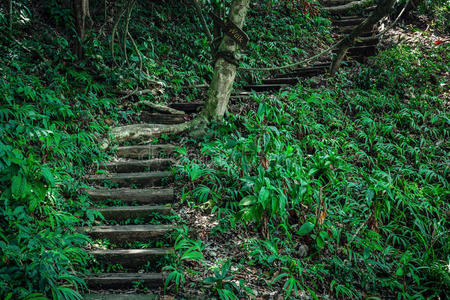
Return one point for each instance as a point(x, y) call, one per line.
point(131, 188)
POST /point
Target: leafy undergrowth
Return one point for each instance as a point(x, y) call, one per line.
point(176, 52)
point(51, 114)
point(339, 192)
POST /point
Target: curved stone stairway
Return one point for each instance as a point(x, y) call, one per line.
point(133, 186)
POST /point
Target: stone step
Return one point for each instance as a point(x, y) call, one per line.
point(284, 80)
point(120, 213)
point(123, 233)
point(124, 280)
point(131, 166)
point(188, 107)
point(144, 151)
point(130, 258)
point(163, 118)
point(265, 87)
point(104, 296)
point(125, 179)
point(142, 196)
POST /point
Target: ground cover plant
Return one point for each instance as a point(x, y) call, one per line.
point(343, 191)
point(51, 115)
point(336, 188)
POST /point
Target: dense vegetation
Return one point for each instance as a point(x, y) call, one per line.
point(339, 185)
point(347, 186)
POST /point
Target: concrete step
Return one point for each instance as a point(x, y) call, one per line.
point(130, 258)
point(142, 196)
point(123, 233)
point(125, 179)
point(120, 213)
point(132, 166)
point(144, 151)
point(124, 280)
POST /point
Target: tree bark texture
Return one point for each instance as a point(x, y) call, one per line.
point(224, 71)
point(80, 9)
point(383, 8)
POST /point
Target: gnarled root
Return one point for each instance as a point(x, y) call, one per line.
point(145, 133)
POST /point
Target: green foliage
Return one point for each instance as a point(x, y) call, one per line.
point(223, 283)
point(358, 177)
point(48, 128)
point(186, 249)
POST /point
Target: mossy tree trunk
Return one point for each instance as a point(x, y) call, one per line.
point(383, 8)
point(224, 71)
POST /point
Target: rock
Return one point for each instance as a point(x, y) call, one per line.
point(303, 250)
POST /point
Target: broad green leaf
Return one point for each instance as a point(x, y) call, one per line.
point(305, 228)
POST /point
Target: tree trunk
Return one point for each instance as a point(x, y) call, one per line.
point(383, 8)
point(224, 71)
point(80, 10)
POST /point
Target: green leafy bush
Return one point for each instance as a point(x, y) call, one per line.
point(48, 129)
point(365, 172)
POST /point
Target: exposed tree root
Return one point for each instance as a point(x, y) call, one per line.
point(145, 133)
point(162, 108)
point(347, 6)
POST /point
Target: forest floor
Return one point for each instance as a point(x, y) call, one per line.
point(225, 240)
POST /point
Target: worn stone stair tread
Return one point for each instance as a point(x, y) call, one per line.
point(124, 179)
point(131, 212)
point(108, 296)
point(144, 151)
point(187, 107)
point(121, 280)
point(133, 165)
point(130, 258)
point(265, 87)
point(166, 119)
point(127, 232)
point(147, 196)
